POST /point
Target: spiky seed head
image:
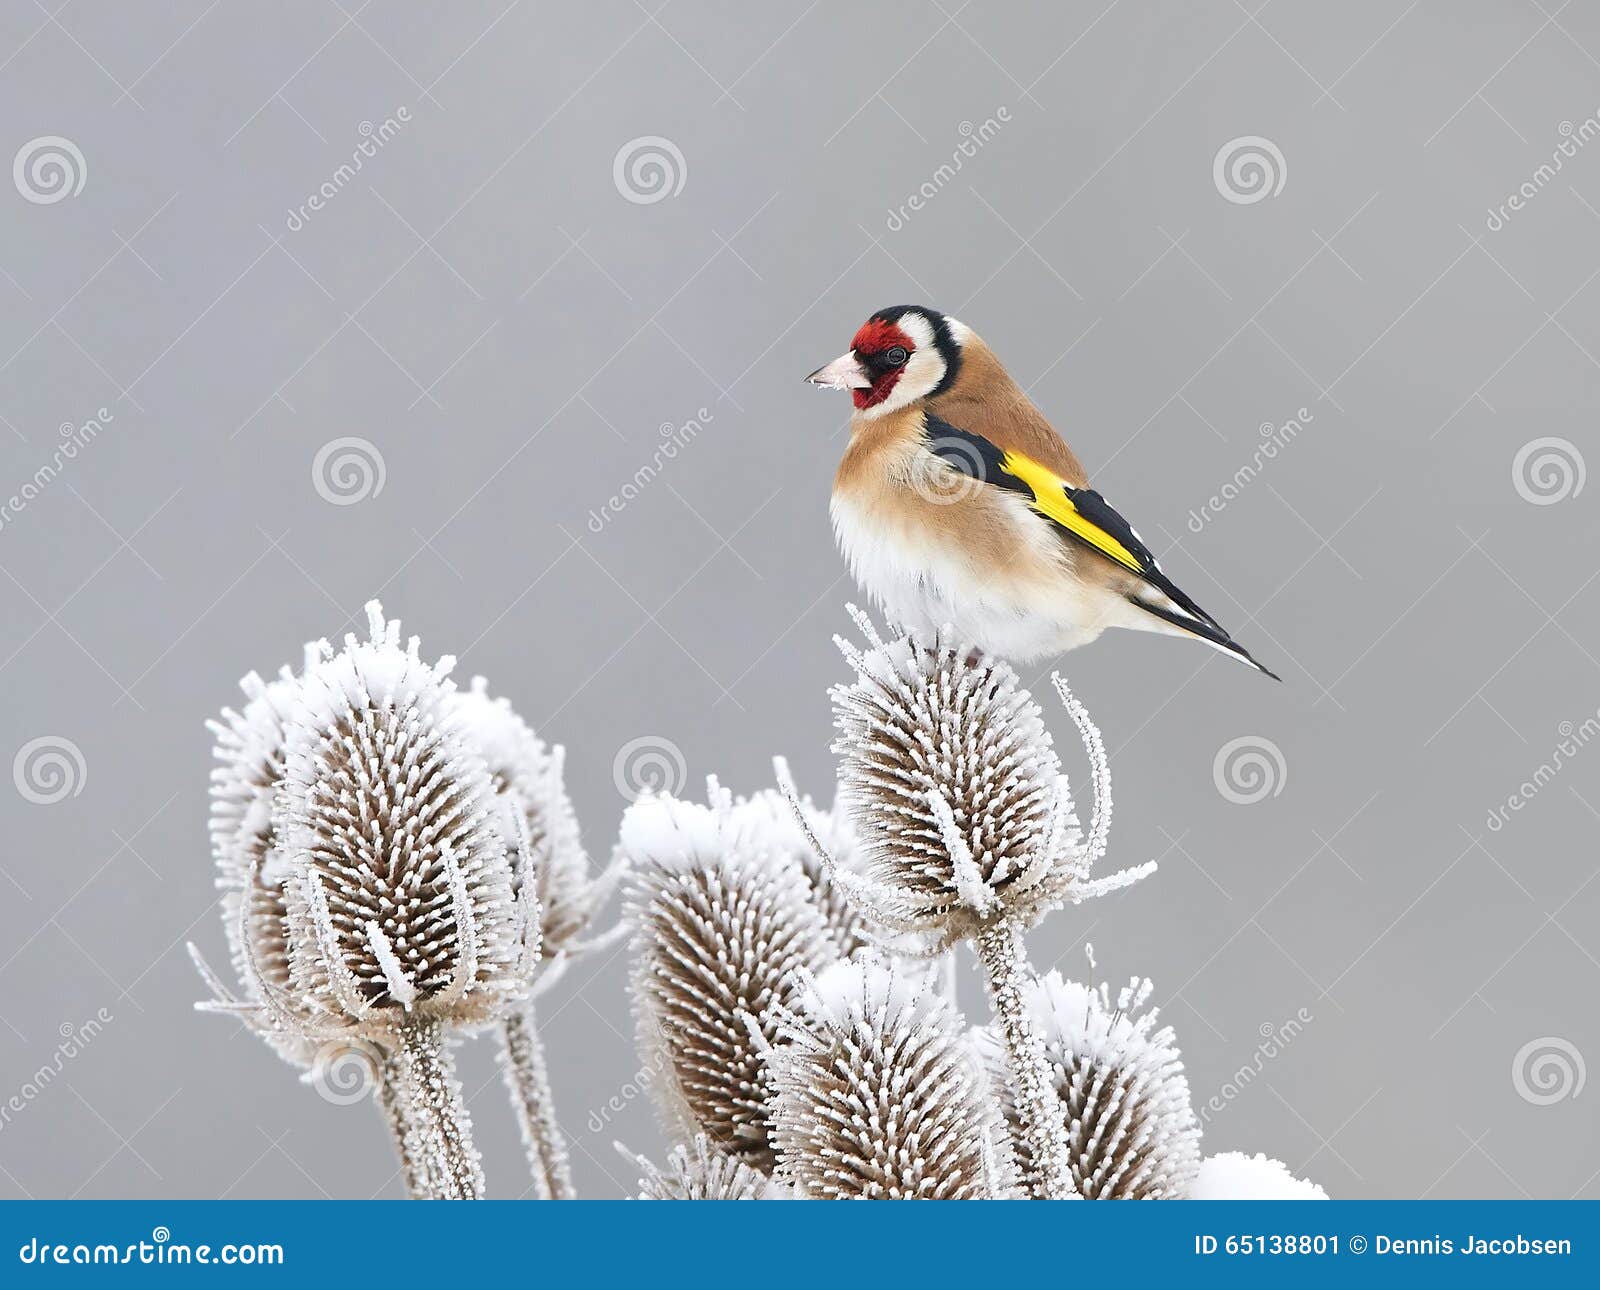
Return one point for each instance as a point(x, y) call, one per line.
point(249, 751)
point(877, 1093)
point(529, 772)
point(701, 1172)
point(1232, 1175)
point(766, 818)
point(720, 927)
point(400, 889)
point(956, 793)
point(1131, 1129)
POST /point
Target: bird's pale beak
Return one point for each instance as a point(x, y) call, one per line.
point(844, 373)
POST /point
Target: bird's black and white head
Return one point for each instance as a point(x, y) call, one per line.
point(898, 357)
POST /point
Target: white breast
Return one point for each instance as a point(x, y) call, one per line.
point(922, 582)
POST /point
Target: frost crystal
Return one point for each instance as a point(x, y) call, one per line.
point(1132, 1133)
point(766, 819)
point(878, 1094)
point(702, 1173)
point(530, 772)
point(720, 926)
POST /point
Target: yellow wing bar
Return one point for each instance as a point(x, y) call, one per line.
point(1050, 499)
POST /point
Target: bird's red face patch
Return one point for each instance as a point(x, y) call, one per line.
point(873, 344)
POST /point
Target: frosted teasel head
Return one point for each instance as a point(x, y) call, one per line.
point(249, 752)
point(529, 776)
point(400, 893)
point(956, 793)
point(771, 824)
point(878, 1093)
point(720, 926)
point(701, 1172)
point(1132, 1132)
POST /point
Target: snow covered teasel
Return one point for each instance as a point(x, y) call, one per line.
point(1132, 1132)
point(878, 1094)
point(720, 927)
point(766, 820)
point(701, 1172)
point(541, 829)
point(400, 885)
point(968, 830)
point(249, 751)
point(404, 922)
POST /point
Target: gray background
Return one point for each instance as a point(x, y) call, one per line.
point(483, 304)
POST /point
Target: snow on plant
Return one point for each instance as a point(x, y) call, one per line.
point(878, 1093)
point(722, 921)
point(1131, 1129)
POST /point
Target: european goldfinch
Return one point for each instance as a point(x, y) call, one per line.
point(958, 504)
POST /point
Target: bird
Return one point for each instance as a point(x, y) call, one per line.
point(957, 504)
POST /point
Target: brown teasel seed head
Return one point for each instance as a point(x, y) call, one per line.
point(720, 927)
point(400, 890)
point(879, 1095)
point(1131, 1129)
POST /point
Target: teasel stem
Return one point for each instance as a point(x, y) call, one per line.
point(440, 1160)
point(1043, 1119)
point(526, 1077)
point(393, 1116)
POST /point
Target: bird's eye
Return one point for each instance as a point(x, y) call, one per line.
point(896, 356)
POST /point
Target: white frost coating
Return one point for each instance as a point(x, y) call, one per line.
point(1232, 1175)
point(393, 974)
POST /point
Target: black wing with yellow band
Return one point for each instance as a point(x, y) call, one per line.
point(1080, 513)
